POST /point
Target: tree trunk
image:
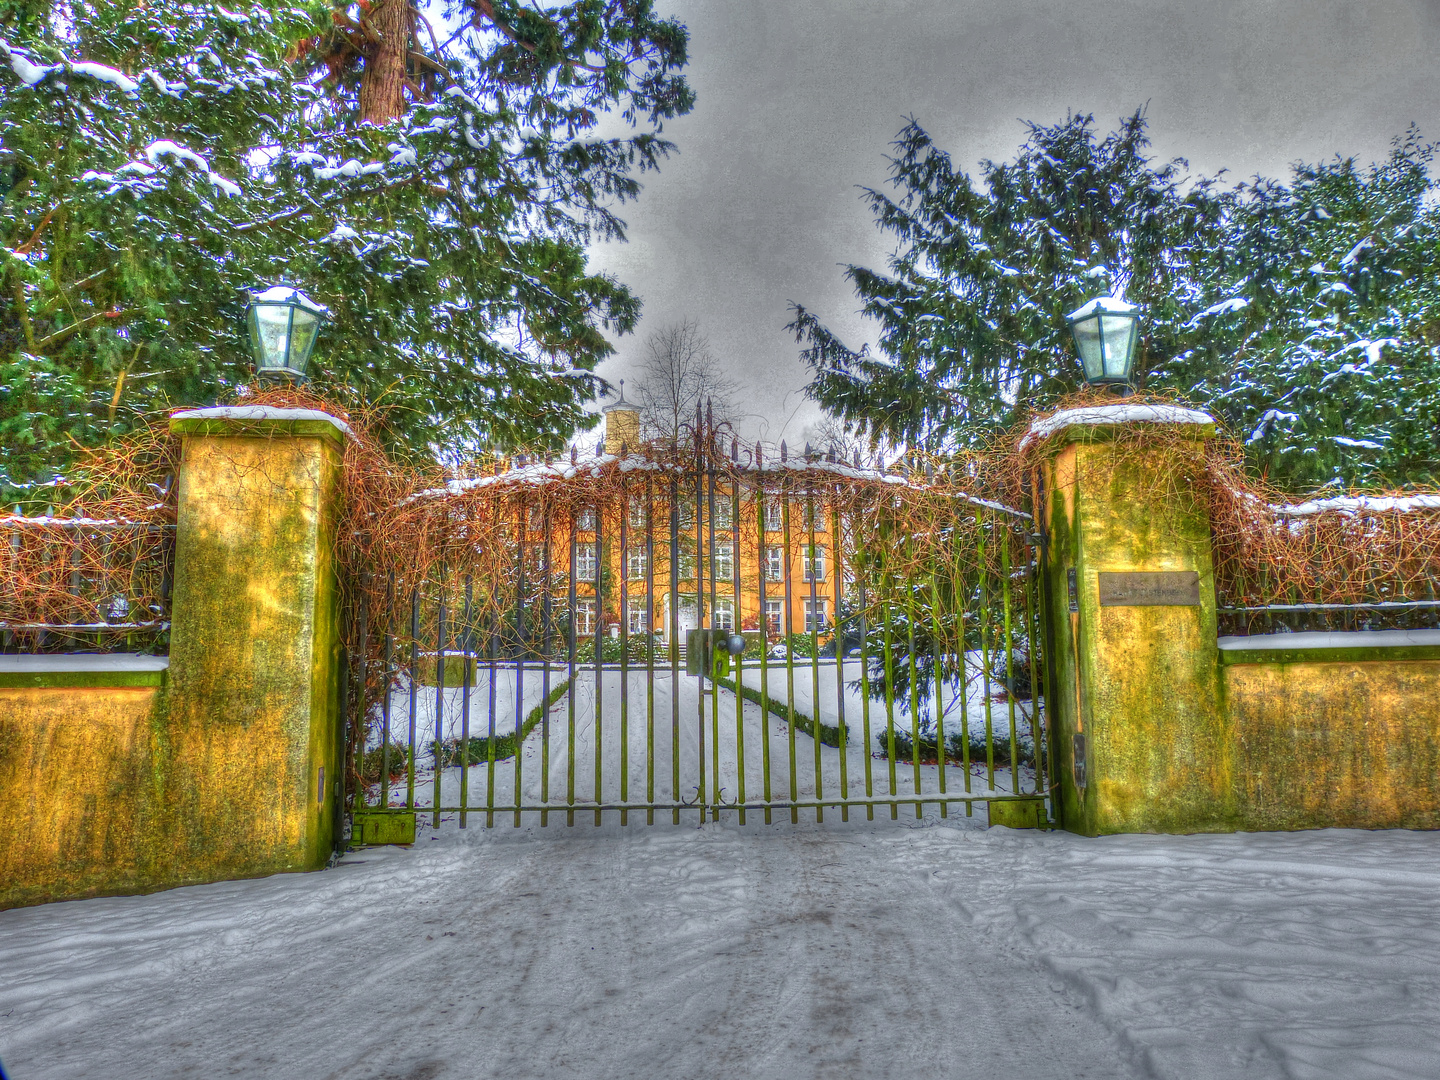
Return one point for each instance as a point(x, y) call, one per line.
point(382, 84)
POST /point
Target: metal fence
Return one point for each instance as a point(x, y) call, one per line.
point(1339, 564)
point(84, 585)
point(873, 643)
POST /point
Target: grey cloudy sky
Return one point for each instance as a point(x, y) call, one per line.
point(798, 101)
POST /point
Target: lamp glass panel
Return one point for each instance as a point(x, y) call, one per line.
point(302, 339)
point(270, 335)
point(1088, 345)
point(1119, 339)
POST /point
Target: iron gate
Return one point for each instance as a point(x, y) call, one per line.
point(703, 632)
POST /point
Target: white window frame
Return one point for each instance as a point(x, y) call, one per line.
point(585, 519)
point(814, 511)
point(637, 512)
point(584, 618)
point(812, 607)
point(722, 565)
point(723, 517)
point(637, 563)
point(774, 515)
point(635, 619)
point(775, 609)
point(724, 615)
point(686, 557)
point(813, 555)
point(585, 562)
point(774, 563)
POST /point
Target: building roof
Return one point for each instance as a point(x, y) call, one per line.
point(620, 403)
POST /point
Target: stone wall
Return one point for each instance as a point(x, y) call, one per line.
point(123, 776)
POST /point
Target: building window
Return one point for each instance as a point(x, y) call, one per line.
point(687, 559)
point(636, 516)
point(635, 619)
point(584, 617)
point(774, 614)
point(814, 517)
point(774, 563)
point(686, 512)
point(584, 562)
point(637, 563)
point(724, 614)
point(774, 517)
point(724, 562)
point(814, 563)
point(814, 614)
point(723, 518)
point(585, 519)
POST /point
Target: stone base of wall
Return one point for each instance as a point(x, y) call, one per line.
point(1323, 744)
point(74, 766)
point(101, 797)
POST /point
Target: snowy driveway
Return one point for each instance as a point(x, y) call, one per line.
point(787, 952)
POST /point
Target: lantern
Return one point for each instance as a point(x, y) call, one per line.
point(284, 324)
point(1106, 331)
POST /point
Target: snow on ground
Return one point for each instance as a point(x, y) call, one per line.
point(768, 952)
point(650, 754)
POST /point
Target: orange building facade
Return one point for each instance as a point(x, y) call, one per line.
point(759, 562)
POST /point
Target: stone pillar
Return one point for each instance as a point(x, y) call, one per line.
point(251, 731)
point(1138, 738)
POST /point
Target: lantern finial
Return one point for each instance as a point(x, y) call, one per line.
point(1106, 331)
point(284, 324)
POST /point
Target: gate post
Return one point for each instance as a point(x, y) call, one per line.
point(1138, 740)
point(249, 746)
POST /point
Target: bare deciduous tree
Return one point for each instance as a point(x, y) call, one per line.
point(678, 373)
point(831, 434)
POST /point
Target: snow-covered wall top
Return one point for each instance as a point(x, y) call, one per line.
point(1355, 504)
point(1334, 639)
point(84, 662)
point(259, 412)
point(1119, 413)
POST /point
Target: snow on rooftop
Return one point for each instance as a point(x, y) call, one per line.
point(1334, 639)
point(260, 412)
point(540, 472)
point(1119, 413)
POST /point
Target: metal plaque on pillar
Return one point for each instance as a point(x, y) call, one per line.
point(1139, 588)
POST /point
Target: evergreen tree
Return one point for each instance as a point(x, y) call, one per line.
point(1323, 330)
point(972, 311)
point(1304, 314)
point(158, 159)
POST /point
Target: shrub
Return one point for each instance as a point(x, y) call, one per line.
point(955, 746)
point(373, 761)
